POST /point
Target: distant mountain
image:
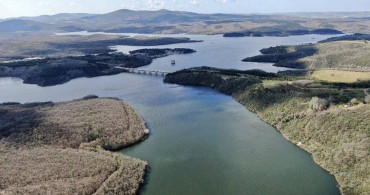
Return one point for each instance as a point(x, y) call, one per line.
point(364, 14)
point(57, 17)
point(125, 20)
point(166, 21)
point(154, 17)
point(22, 25)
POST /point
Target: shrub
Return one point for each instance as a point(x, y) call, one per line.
point(367, 99)
point(318, 104)
point(354, 101)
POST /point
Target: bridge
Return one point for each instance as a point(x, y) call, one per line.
point(144, 71)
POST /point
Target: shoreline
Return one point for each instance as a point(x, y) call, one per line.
point(294, 143)
point(288, 112)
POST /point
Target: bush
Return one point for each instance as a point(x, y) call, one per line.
point(367, 99)
point(354, 101)
point(318, 104)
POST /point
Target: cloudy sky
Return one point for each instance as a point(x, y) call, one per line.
point(15, 8)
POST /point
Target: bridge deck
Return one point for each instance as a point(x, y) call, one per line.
point(144, 71)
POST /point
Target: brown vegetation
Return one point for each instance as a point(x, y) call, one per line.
point(59, 148)
point(341, 76)
point(354, 55)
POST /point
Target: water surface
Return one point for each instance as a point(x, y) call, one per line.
point(201, 141)
point(215, 50)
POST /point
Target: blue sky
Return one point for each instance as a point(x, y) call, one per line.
point(15, 8)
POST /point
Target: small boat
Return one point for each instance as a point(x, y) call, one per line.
point(173, 62)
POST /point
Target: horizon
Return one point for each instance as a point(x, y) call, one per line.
point(24, 8)
point(251, 13)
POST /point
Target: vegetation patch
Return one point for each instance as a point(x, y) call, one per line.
point(344, 55)
point(58, 148)
point(341, 76)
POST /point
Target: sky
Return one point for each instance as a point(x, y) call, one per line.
point(16, 8)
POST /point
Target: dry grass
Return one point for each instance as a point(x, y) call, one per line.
point(212, 29)
point(354, 55)
point(341, 76)
point(353, 26)
point(57, 148)
point(274, 83)
point(45, 45)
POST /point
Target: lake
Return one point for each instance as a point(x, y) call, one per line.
point(201, 141)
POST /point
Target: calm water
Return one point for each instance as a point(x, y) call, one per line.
point(201, 142)
point(217, 51)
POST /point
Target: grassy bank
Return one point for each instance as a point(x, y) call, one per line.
point(341, 76)
point(315, 118)
point(61, 148)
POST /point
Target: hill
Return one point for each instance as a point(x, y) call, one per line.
point(350, 55)
point(17, 25)
point(166, 21)
point(57, 17)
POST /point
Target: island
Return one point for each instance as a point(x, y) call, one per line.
point(65, 148)
point(323, 108)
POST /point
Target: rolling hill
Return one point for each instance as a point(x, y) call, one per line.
point(166, 22)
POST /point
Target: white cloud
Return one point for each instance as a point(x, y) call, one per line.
point(194, 2)
point(43, 3)
point(222, 1)
point(72, 3)
point(155, 4)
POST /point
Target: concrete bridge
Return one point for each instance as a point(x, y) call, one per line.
point(144, 71)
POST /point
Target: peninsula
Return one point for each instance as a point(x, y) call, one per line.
point(64, 148)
